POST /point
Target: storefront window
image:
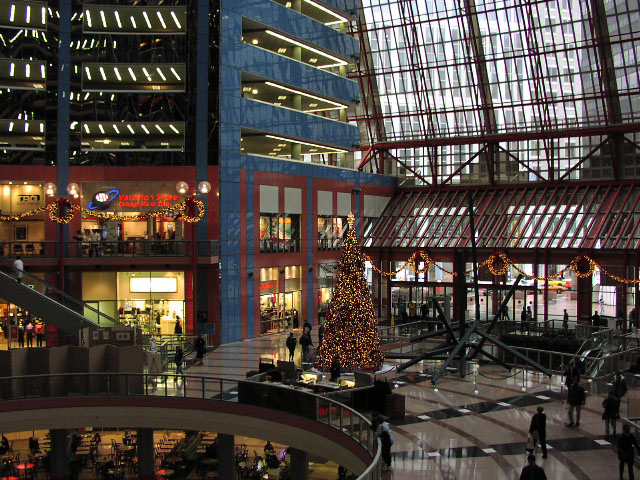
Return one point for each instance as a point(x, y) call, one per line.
point(280, 311)
point(331, 232)
point(279, 233)
point(26, 236)
point(326, 277)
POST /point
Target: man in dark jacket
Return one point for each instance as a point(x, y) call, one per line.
point(291, 345)
point(532, 471)
point(575, 399)
point(305, 343)
point(538, 430)
point(619, 386)
point(611, 413)
point(626, 442)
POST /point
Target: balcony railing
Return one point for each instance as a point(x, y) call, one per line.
point(120, 248)
point(320, 409)
point(280, 245)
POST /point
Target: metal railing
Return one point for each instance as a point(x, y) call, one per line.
point(61, 297)
point(324, 410)
point(108, 248)
point(280, 246)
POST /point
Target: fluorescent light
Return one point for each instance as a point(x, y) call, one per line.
point(340, 19)
point(12, 12)
point(133, 75)
point(104, 20)
point(164, 25)
point(101, 128)
point(10, 126)
point(164, 79)
point(282, 50)
point(115, 127)
point(146, 19)
point(86, 95)
point(160, 129)
point(146, 130)
point(86, 129)
point(43, 14)
point(88, 72)
point(174, 129)
point(42, 71)
point(299, 44)
point(144, 70)
point(175, 74)
point(335, 149)
point(131, 129)
point(133, 22)
point(255, 41)
point(41, 127)
point(73, 125)
point(27, 70)
point(117, 72)
point(28, 14)
point(308, 95)
point(12, 69)
point(104, 76)
point(175, 19)
point(26, 127)
point(118, 19)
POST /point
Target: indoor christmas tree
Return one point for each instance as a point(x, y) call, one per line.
point(350, 332)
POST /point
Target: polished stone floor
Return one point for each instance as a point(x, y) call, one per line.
point(473, 428)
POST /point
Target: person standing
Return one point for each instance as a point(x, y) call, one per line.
point(538, 430)
point(39, 333)
point(29, 328)
point(20, 335)
point(177, 329)
point(18, 266)
point(601, 301)
point(532, 471)
point(335, 369)
point(291, 346)
point(565, 320)
point(523, 319)
point(575, 399)
point(306, 327)
point(571, 373)
point(611, 413)
point(626, 442)
point(320, 335)
point(595, 319)
point(201, 348)
point(619, 386)
point(384, 433)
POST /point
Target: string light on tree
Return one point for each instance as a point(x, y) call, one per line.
point(350, 332)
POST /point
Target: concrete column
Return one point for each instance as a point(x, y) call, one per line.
point(299, 464)
point(226, 456)
point(59, 454)
point(146, 457)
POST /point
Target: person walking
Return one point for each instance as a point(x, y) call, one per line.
point(611, 413)
point(201, 348)
point(532, 471)
point(291, 346)
point(179, 360)
point(565, 320)
point(626, 443)
point(601, 301)
point(538, 431)
point(305, 343)
point(18, 266)
point(571, 373)
point(619, 385)
point(384, 433)
point(575, 399)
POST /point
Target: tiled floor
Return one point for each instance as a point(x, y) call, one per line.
point(473, 428)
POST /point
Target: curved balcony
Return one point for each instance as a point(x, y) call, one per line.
point(305, 421)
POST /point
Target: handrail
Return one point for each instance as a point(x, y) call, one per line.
point(49, 288)
point(327, 411)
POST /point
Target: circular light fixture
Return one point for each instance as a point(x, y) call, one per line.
point(49, 189)
point(204, 187)
point(73, 189)
point(182, 187)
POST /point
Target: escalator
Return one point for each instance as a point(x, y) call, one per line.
point(52, 305)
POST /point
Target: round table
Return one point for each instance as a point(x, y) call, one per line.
point(175, 459)
point(23, 467)
point(165, 472)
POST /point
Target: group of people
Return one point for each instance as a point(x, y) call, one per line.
point(305, 341)
point(29, 330)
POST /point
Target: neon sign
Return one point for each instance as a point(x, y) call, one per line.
point(102, 200)
point(266, 286)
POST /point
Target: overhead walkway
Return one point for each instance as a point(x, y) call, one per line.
point(54, 306)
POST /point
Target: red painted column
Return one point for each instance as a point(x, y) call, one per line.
point(146, 457)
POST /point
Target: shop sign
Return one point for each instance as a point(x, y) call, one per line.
point(139, 200)
point(267, 286)
point(130, 196)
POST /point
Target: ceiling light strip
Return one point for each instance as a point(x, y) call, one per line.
point(335, 149)
point(339, 18)
point(303, 45)
point(300, 92)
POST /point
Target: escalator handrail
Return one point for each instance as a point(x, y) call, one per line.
point(66, 296)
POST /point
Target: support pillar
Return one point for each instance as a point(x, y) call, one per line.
point(584, 303)
point(59, 454)
point(226, 456)
point(299, 464)
point(146, 457)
